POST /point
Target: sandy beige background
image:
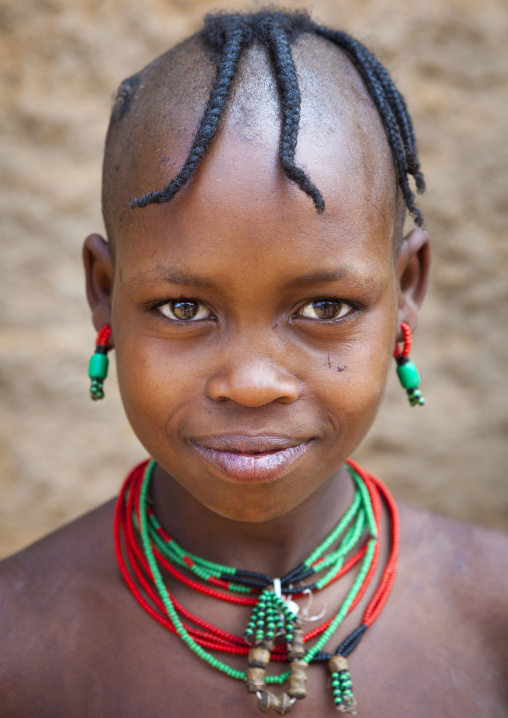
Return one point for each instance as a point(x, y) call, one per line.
point(60, 63)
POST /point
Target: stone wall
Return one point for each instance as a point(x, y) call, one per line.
point(60, 63)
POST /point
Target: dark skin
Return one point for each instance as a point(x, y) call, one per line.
point(251, 252)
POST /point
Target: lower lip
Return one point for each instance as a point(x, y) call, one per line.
point(252, 468)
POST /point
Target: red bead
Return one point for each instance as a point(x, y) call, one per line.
point(136, 573)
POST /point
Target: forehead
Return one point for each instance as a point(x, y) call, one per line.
point(241, 229)
point(341, 146)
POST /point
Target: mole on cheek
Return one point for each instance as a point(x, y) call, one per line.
point(329, 363)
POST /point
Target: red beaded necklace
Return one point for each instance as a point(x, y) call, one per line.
point(136, 562)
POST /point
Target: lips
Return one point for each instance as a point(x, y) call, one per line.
point(251, 458)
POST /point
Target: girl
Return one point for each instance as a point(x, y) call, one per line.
point(255, 285)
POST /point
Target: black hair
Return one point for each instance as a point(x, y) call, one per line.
point(226, 36)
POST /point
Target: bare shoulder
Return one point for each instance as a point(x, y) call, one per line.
point(50, 595)
point(445, 625)
point(457, 554)
point(43, 573)
point(455, 579)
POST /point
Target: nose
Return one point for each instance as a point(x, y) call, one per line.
point(253, 382)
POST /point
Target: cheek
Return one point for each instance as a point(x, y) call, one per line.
point(354, 377)
point(155, 387)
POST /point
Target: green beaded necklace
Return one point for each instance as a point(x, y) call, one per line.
point(274, 612)
point(205, 655)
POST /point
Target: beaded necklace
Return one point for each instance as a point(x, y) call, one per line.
point(275, 631)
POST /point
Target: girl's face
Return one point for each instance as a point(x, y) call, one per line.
point(253, 336)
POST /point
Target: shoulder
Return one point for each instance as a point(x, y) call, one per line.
point(457, 574)
point(50, 595)
point(448, 616)
point(456, 553)
point(48, 569)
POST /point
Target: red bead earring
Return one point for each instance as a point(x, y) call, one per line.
point(406, 370)
point(98, 367)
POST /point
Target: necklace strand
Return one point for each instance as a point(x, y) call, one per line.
point(142, 545)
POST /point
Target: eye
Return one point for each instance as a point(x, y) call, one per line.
point(325, 309)
point(185, 310)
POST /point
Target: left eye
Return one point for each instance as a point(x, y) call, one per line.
point(185, 310)
point(325, 309)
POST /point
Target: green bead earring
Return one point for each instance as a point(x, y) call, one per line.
point(406, 370)
point(98, 366)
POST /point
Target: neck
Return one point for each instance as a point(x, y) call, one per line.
point(272, 547)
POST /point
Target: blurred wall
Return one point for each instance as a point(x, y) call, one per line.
point(60, 454)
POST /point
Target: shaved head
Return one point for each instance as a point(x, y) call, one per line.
point(158, 113)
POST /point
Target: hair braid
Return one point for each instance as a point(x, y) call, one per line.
point(392, 111)
point(403, 118)
point(235, 39)
point(287, 81)
point(397, 144)
point(228, 35)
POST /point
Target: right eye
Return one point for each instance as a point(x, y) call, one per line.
point(185, 310)
point(325, 309)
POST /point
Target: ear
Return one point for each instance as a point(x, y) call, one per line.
point(412, 267)
point(99, 275)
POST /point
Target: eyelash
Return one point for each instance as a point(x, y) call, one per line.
point(353, 306)
point(156, 306)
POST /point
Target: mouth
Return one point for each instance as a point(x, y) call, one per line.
point(251, 459)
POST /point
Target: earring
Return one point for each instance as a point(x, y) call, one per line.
point(98, 367)
point(406, 370)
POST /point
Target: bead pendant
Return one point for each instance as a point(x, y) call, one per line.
point(98, 371)
point(342, 686)
point(410, 380)
point(280, 704)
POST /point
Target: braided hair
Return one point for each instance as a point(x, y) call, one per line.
point(226, 36)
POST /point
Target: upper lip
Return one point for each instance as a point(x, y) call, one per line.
point(244, 443)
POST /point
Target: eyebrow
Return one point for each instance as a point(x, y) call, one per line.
point(160, 275)
point(327, 276)
point(164, 275)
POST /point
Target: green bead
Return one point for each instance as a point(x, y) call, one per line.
point(415, 397)
point(98, 367)
point(408, 375)
point(96, 389)
point(361, 506)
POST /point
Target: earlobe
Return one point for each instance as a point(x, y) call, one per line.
point(412, 267)
point(99, 277)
